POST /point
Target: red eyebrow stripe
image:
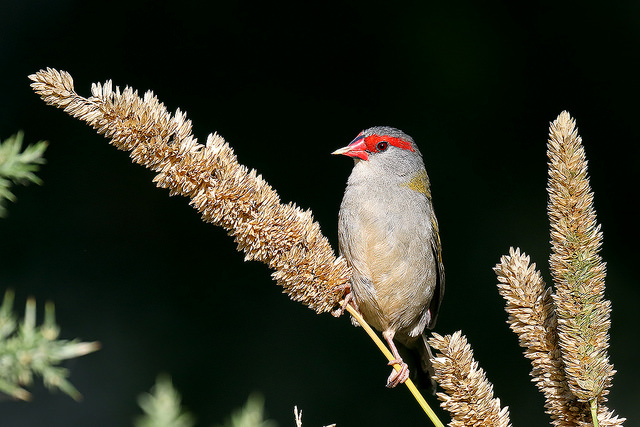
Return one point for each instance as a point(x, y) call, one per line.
point(373, 140)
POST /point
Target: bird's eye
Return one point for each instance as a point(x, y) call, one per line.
point(382, 146)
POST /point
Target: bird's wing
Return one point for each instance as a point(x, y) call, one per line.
point(438, 292)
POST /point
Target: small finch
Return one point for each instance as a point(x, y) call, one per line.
point(388, 233)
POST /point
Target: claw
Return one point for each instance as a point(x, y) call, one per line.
point(398, 377)
point(347, 299)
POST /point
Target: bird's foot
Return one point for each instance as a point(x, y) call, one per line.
point(398, 377)
point(346, 299)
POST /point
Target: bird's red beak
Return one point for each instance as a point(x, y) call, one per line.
point(357, 148)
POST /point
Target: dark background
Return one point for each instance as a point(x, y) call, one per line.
point(286, 83)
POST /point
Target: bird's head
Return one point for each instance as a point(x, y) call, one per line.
point(378, 141)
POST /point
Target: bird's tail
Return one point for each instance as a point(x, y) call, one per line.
point(418, 357)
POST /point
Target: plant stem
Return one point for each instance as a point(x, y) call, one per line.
point(594, 412)
point(383, 348)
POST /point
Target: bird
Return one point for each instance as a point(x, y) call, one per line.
point(388, 234)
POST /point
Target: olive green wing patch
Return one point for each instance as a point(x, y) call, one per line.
point(419, 183)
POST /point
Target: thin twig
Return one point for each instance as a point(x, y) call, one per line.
point(383, 348)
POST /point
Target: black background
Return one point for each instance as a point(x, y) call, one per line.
point(475, 83)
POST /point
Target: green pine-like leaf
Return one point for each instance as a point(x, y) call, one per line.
point(28, 351)
point(162, 407)
point(18, 166)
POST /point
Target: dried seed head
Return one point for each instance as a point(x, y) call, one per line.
point(532, 317)
point(468, 394)
point(578, 272)
point(226, 193)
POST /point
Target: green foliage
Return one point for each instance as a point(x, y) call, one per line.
point(162, 407)
point(250, 415)
point(27, 350)
point(17, 166)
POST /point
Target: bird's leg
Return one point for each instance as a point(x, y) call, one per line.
point(346, 299)
point(396, 377)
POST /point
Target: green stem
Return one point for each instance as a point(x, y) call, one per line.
point(594, 411)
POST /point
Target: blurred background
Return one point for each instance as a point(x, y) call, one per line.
point(286, 83)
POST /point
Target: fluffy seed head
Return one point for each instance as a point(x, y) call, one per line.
point(225, 192)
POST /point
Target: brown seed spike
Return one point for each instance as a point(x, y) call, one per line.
point(468, 393)
point(577, 269)
point(532, 317)
point(223, 191)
